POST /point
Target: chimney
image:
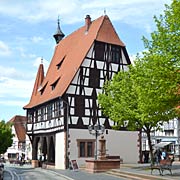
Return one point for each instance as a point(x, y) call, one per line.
point(87, 22)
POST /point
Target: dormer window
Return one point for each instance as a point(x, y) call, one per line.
point(42, 88)
point(59, 64)
point(53, 85)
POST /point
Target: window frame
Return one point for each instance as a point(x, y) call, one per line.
point(86, 141)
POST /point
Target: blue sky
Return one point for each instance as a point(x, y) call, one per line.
point(26, 35)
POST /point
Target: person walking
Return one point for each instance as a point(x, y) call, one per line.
point(158, 155)
point(164, 154)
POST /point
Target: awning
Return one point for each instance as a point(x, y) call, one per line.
point(162, 144)
point(169, 139)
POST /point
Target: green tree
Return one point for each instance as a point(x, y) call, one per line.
point(5, 136)
point(147, 94)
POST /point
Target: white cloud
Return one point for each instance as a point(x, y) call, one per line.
point(24, 54)
point(36, 39)
point(4, 49)
point(15, 85)
point(13, 103)
point(134, 12)
point(21, 51)
point(15, 88)
point(11, 72)
point(4, 71)
point(148, 28)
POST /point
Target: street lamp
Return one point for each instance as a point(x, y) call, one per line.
point(96, 130)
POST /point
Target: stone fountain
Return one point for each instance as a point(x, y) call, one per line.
point(104, 162)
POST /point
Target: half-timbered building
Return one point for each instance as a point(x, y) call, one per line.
point(64, 101)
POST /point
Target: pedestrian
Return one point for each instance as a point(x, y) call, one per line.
point(164, 154)
point(146, 156)
point(158, 154)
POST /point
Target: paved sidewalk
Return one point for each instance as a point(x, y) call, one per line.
point(81, 174)
point(126, 171)
point(143, 171)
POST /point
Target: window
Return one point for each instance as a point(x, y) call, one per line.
point(60, 63)
point(57, 108)
point(49, 111)
point(35, 116)
point(30, 117)
point(115, 54)
point(99, 50)
point(42, 88)
point(89, 149)
point(86, 147)
point(45, 113)
point(169, 132)
point(39, 118)
point(53, 85)
point(12, 155)
point(82, 149)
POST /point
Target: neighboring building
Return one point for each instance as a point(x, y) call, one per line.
point(21, 144)
point(64, 102)
point(167, 137)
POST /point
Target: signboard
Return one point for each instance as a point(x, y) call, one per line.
point(74, 165)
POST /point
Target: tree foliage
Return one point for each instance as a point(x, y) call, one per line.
point(5, 136)
point(148, 93)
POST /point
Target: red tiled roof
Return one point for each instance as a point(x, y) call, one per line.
point(19, 123)
point(72, 50)
point(39, 80)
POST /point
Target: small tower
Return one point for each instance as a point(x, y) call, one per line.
point(59, 34)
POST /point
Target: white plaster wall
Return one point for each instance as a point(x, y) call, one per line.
point(60, 151)
point(124, 144)
point(28, 151)
point(120, 143)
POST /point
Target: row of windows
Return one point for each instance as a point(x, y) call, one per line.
point(108, 52)
point(47, 112)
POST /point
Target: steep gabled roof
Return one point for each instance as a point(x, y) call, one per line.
point(38, 81)
point(19, 123)
point(72, 51)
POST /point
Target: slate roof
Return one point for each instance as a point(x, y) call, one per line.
point(19, 123)
point(68, 56)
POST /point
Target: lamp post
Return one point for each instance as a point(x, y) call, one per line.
point(96, 130)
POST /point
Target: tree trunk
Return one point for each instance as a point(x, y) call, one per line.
point(148, 132)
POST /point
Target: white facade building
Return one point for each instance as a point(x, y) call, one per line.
point(21, 145)
point(167, 137)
